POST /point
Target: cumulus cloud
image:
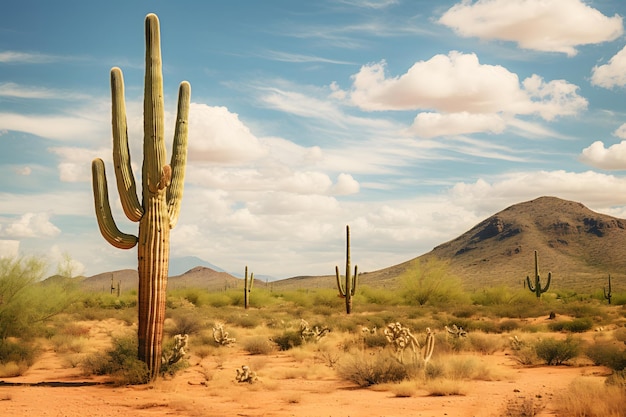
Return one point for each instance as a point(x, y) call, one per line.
point(428, 125)
point(464, 96)
point(600, 190)
point(612, 74)
point(217, 135)
point(31, 225)
point(549, 26)
point(75, 162)
point(611, 158)
point(9, 248)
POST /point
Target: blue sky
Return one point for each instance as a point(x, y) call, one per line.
point(411, 121)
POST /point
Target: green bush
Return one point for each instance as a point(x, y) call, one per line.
point(607, 354)
point(17, 352)
point(288, 340)
point(120, 362)
point(365, 370)
point(557, 352)
point(580, 325)
point(429, 282)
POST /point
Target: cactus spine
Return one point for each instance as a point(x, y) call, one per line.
point(608, 294)
point(536, 288)
point(348, 288)
point(247, 287)
point(162, 189)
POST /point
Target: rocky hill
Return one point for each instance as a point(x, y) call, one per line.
point(580, 247)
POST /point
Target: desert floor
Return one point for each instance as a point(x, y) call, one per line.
point(287, 386)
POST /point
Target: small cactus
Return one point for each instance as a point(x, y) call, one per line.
point(347, 289)
point(221, 336)
point(401, 338)
point(536, 288)
point(178, 352)
point(247, 287)
point(608, 294)
point(314, 334)
point(245, 374)
point(456, 331)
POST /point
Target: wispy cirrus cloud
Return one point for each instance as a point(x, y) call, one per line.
point(17, 57)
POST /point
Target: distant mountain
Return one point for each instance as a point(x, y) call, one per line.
point(180, 265)
point(579, 246)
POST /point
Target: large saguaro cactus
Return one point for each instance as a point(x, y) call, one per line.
point(348, 288)
point(536, 288)
point(162, 190)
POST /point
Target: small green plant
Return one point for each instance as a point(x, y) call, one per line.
point(607, 354)
point(580, 325)
point(557, 352)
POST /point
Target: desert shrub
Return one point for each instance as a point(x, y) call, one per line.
point(557, 352)
point(607, 354)
point(378, 296)
point(620, 334)
point(618, 379)
point(120, 363)
point(18, 352)
point(258, 345)
point(288, 340)
point(376, 340)
point(579, 325)
point(247, 321)
point(366, 370)
point(12, 369)
point(184, 322)
point(445, 387)
point(173, 362)
point(585, 397)
point(429, 282)
point(508, 325)
point(485, 344)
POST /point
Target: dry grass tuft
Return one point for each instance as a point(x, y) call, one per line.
point(589, 398)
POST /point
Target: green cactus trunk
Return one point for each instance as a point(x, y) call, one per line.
point(162, 188)
point(536, 288)
point(247, 287)
point(348, 288)
point(608, 294)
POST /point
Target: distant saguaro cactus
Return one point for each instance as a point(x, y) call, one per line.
point(348, 288)
point(247, 287)
point(607, 294)
point(162, 190)
point(536, 288)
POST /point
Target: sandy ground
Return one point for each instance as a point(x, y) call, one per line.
point(286, 387)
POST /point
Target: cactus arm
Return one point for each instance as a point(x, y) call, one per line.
point(153, 110)
point(178, 161)
point(544, 289)
point(106, 223)
point(342, 291)
point(126, 186)
point(354, 279)
point(429, 346)
point(530, 285)
point(251, 281)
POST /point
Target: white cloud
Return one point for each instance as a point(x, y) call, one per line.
point(612, 74)
point(75, 165)
point(52, 126)
point(27, 92)
point(217, 135)
point(31, 225)
point(345, 185)
point(9, 248)
point(25, 171)
point(599, 190)
point(428, 124)
point(611, 158)
point(458, 83)
point(542, 25)
point(620, 132)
